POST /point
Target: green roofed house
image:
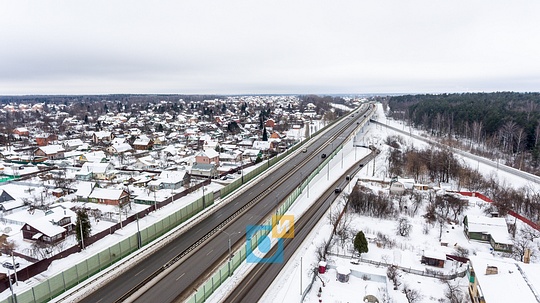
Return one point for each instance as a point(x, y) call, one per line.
point(492, 230)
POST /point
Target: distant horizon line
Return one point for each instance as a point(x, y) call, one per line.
point(265, 94)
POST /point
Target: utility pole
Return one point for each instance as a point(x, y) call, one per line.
point(14, 268)
point(373, 167)
point(81, 230)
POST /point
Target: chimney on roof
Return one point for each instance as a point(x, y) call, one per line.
point(492, 270)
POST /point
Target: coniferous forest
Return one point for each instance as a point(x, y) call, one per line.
point(503, 126)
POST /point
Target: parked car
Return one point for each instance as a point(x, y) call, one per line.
point(10, 266)
point(304, 150)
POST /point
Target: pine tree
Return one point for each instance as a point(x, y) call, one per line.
point(82, 226)
point(360, 243)
point(264, 135)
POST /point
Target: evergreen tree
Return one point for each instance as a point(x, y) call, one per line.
point(264, 135)
point(360, 243)
point(82, 226)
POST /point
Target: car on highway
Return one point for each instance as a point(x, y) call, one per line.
point(323, 156)
point(337, 190)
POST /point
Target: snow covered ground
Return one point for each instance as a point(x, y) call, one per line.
point(368, 279)
point(365, 278)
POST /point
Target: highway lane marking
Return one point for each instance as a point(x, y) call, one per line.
point(250, 218)
point(140, 272)
point(180, 276)
point(209, 252)
point(198, 230)
point(219, 215)
point(99, 300)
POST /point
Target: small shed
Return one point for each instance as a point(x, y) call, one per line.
point(433, 258)
point(342, 274)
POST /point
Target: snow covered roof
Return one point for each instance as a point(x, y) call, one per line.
point(142, 140)
point(106, 193)
point(97, 168)
point(496, 227)
point(73, 142)
point(46, 224)
point(263, 145)
point(96, 156)
point(210, 153)
point(52, 149)
point(508, 285)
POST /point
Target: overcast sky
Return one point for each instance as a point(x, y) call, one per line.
point(271, 46)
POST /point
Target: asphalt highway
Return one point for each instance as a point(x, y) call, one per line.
point(259, 279)
point(191, 272)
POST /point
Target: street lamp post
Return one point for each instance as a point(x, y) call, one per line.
point(277, 204)
point(139, 240)
point(14, 268)
point(230, 252)
point(82, 235)
point(301, 181)
point(155, 202)
point(203, 206)
point(14, 298)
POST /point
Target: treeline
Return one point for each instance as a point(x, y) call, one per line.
point(503, 125)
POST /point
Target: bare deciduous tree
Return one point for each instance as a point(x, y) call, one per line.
point(453, 292)
point(412, 295)
point(404, 227)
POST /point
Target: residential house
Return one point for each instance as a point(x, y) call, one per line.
point(118, 149)
point(204, 170)
point(496, 279)
point(160, 140)
point(102, 137)
point(143, 142)
point(207, 156)
point(8, 203)
point(270, 123)
point(72, 144)
point(263, 146)
point(98, 171)
point(94, 157)
point(146, 162)
point(171, 180)
point(45, 139)
point(21, 132)
point(53, 227)
point(109, 196)
point(51, 152)
point(230, 156)
point(491, 230)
